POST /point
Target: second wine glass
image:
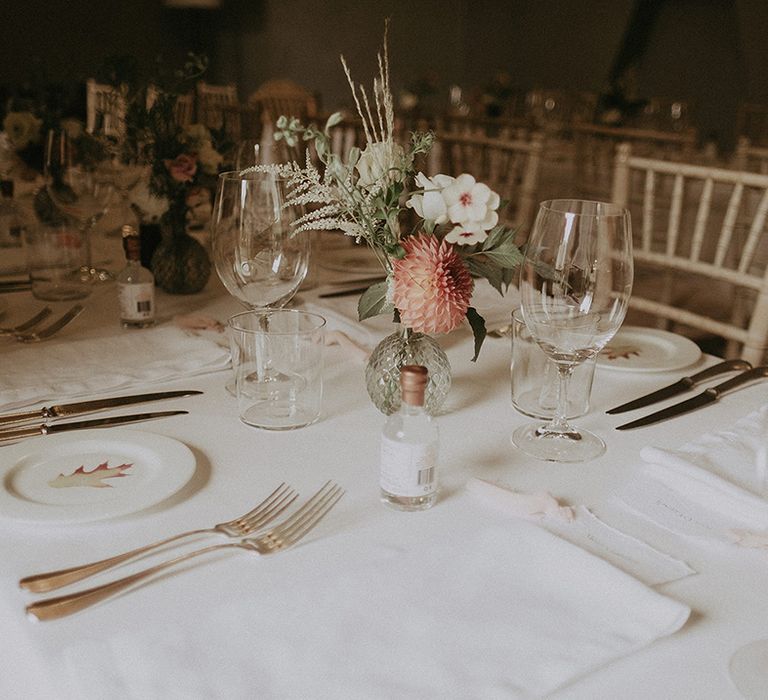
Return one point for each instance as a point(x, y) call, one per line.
point(78, 186)
point(575, 283)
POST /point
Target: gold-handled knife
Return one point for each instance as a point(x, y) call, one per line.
point(682, 385)
point(66, 410)
point(45, 429)
point(706, 397)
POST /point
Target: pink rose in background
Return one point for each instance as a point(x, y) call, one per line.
point(183, 167)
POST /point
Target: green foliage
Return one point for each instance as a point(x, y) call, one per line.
point(374, 301)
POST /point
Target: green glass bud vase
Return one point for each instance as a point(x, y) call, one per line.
point(180, 264)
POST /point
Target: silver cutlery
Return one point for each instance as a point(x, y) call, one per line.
point(682, 385)
point(282, 536)
point(30, 323)
point(705, 398)
point(51, 329)
point(14, 434)
point(65, 410)
point(269, 509)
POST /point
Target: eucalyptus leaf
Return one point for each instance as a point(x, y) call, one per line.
point(333, 120)
point(506, 255)
point(373, 301)
point(477, 323)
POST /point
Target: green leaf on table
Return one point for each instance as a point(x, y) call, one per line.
point(373, 301)
point(477, 323)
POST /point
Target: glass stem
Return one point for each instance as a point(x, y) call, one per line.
point(559, 423)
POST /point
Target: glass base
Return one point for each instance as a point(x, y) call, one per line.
point(749, 669)
point(575, 446)
point(408, 502)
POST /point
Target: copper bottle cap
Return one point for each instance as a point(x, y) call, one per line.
point(413, 382)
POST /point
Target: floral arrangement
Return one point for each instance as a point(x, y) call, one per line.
point(185, 161)
point(430, 266)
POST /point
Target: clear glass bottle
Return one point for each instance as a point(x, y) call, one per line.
point(135, 285)
point(409, 447)
point(10, 221)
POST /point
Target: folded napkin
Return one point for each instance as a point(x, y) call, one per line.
point(713, 487)
point(501, 610)
point(43, 373)
point(579, 526)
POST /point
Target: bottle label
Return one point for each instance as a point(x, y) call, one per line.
point(137, 301)
point(408, 470)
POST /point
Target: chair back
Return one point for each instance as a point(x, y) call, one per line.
point(105, 109)
point(750, 157)
point(210, 101)
point(183, 109)
point(284, 97)
point(700, 247)
point(595, 150)
point(509, 167)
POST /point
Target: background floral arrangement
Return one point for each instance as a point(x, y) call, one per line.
point(431, 267)
point(184, 162)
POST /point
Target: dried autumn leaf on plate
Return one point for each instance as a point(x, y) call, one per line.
point(615, 352)
point(94, 478)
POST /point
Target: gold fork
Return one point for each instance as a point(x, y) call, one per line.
point(31, 323)
point(282, 536)
point(258, 517)
point(49, 330)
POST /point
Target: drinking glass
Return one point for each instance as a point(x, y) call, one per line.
point(79, 187)
point(748, 668)
point(575, 283)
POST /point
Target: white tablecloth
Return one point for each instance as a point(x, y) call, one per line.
point(237, 465)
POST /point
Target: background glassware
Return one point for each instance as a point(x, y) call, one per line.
point(259, 257)
point(535, 377)
point(277, 357)
point(56, 257)
point(247, 154)
point(749, 669)
point(575, 283)
point(78, 186)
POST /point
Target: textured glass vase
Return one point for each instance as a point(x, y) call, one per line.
point(404, 347)
point(180, 263)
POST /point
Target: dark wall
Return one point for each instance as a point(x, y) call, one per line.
point(712, 52)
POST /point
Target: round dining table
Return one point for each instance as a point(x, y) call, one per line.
point(373, 602)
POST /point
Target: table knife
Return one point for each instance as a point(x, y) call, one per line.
point(682, 385)
point(706, 397)
point(45, 429)
point(73, 409)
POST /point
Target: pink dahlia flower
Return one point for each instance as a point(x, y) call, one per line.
point(432, 285)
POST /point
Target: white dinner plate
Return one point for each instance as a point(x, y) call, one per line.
point(636, 349)
point(90, 475)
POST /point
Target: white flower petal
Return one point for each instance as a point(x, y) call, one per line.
point(434, 207)
point(493, 201)
point(416, 203)
point(443, 181)
point(466, 235)
point(481, 193)
point(465, 181)
point(490, 220)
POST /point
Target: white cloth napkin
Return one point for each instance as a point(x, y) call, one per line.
point(713, 487)
point(95, 366)
point(509, 611)
point(582, 527)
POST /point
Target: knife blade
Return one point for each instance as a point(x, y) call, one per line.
point(45, 429)
point(681, 385)
point(73, 409)
point(706, 397)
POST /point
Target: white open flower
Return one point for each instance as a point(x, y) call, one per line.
point(431, 205)
point(467, 234)
point(380, 161)
point(470, 201)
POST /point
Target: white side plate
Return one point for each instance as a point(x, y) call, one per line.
point(637, 349)
point(90, 475)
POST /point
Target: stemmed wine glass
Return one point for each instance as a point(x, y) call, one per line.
point(575, 283)
point(78, 186)
point(259, 256)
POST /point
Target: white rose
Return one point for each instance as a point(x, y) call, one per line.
point(380, 161)
point(151, 207)
point(431, 205)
